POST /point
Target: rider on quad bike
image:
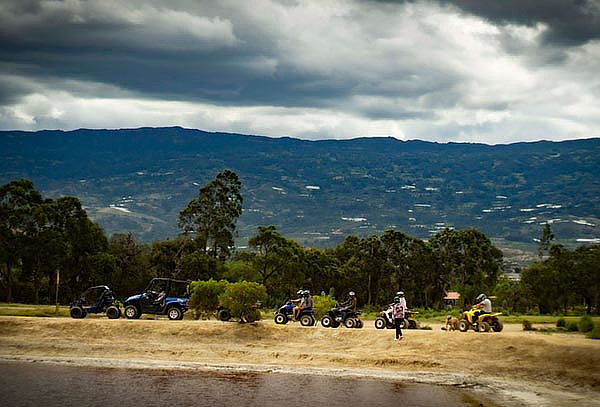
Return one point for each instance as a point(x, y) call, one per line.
point(484, 305)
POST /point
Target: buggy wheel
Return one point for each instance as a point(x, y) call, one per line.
point(174, 314)
point(280, 319)
point(306, 320)
point(359, 323)
point(113, 312)
point(77, 312)
point(380, 323)
point(327, 322)
point(224, 315)
point(412, 324)
point(350, 323)
point(132, 312)
point(497, 326)
point(484, 326)
point(463, 325)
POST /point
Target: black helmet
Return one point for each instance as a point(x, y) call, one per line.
point(480, 298)
point(396, 300)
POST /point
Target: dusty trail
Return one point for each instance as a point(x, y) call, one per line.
point(521, 367)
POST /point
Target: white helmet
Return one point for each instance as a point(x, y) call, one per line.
point(351, 294)
point(400, 293)
point(480, 297)
point(300, 292)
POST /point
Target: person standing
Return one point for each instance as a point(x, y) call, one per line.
point(398, 315)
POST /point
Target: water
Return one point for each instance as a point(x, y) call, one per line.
point(27, 384)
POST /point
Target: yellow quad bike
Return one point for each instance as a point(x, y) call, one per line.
point(485, 322)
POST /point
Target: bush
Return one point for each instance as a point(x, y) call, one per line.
point(594, 333)
point(243, 300)
point(586, 324)
point(204, 297)
point(561, 323)
point(527, 326)
point(322, 304)
point(572, 327)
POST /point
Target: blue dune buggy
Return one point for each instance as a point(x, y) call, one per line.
point(163, 296)
point(95, 300)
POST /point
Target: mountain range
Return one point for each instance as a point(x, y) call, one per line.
point(318, 192)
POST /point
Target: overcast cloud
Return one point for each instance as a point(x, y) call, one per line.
point(463, 70)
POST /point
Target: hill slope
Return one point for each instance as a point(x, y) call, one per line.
point(317, 191)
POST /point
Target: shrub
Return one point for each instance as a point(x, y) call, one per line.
point(594, 333)
point(586, 324)
point(204, 297)
point(572, 326)
point(561, 323)
point(322, 304)
point(527, 326)
point(243, 300)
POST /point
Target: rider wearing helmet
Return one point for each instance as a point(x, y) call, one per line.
point(484, 305)
point(350, 301)
point(298, 302)
point(400, 296)
point(304, 302)
point(398, 309)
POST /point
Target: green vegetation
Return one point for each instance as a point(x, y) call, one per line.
point(594, 333)
point(243, 300)
point(586, 324)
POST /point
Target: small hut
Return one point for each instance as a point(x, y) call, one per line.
point(450, 299)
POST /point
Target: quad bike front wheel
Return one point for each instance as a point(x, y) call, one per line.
point(307, 320)
point(113, 312)
point(359, 323)
point(280, 319)
point(463, 325)
point(327, 321)
point(497, 326)
point(380, 323)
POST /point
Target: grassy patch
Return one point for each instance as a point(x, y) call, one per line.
point(29, 310)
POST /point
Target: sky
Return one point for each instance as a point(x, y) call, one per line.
point(438, 70)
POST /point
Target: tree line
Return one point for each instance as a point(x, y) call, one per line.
point(46, 243)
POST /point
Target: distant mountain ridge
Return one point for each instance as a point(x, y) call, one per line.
point(317, 192)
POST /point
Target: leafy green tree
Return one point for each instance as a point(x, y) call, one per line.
point(17, 202)
point(132, 264)
point(213, 215)
point(467, 260)
point(586, 276)
point(545, 240)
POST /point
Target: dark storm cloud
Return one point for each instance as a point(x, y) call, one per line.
point(570, 22)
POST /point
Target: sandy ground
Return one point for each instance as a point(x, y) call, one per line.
point(511, 368)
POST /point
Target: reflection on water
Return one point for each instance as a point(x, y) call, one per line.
point(27, 384)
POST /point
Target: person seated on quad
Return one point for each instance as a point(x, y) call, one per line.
point(349, 302)
point(484, 306)
point(298, 301)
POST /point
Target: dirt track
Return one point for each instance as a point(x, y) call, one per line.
point(534, 368)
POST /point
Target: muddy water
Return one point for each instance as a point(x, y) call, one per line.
point(27, 384)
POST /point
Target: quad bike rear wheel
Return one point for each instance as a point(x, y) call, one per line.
point(404, 324)
point(307, 320)
point(224, 315)
point(412, 324)
point(463, 325)
point(280, 319)
point(484, 326)
point(350, 323)
point(113, 312)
